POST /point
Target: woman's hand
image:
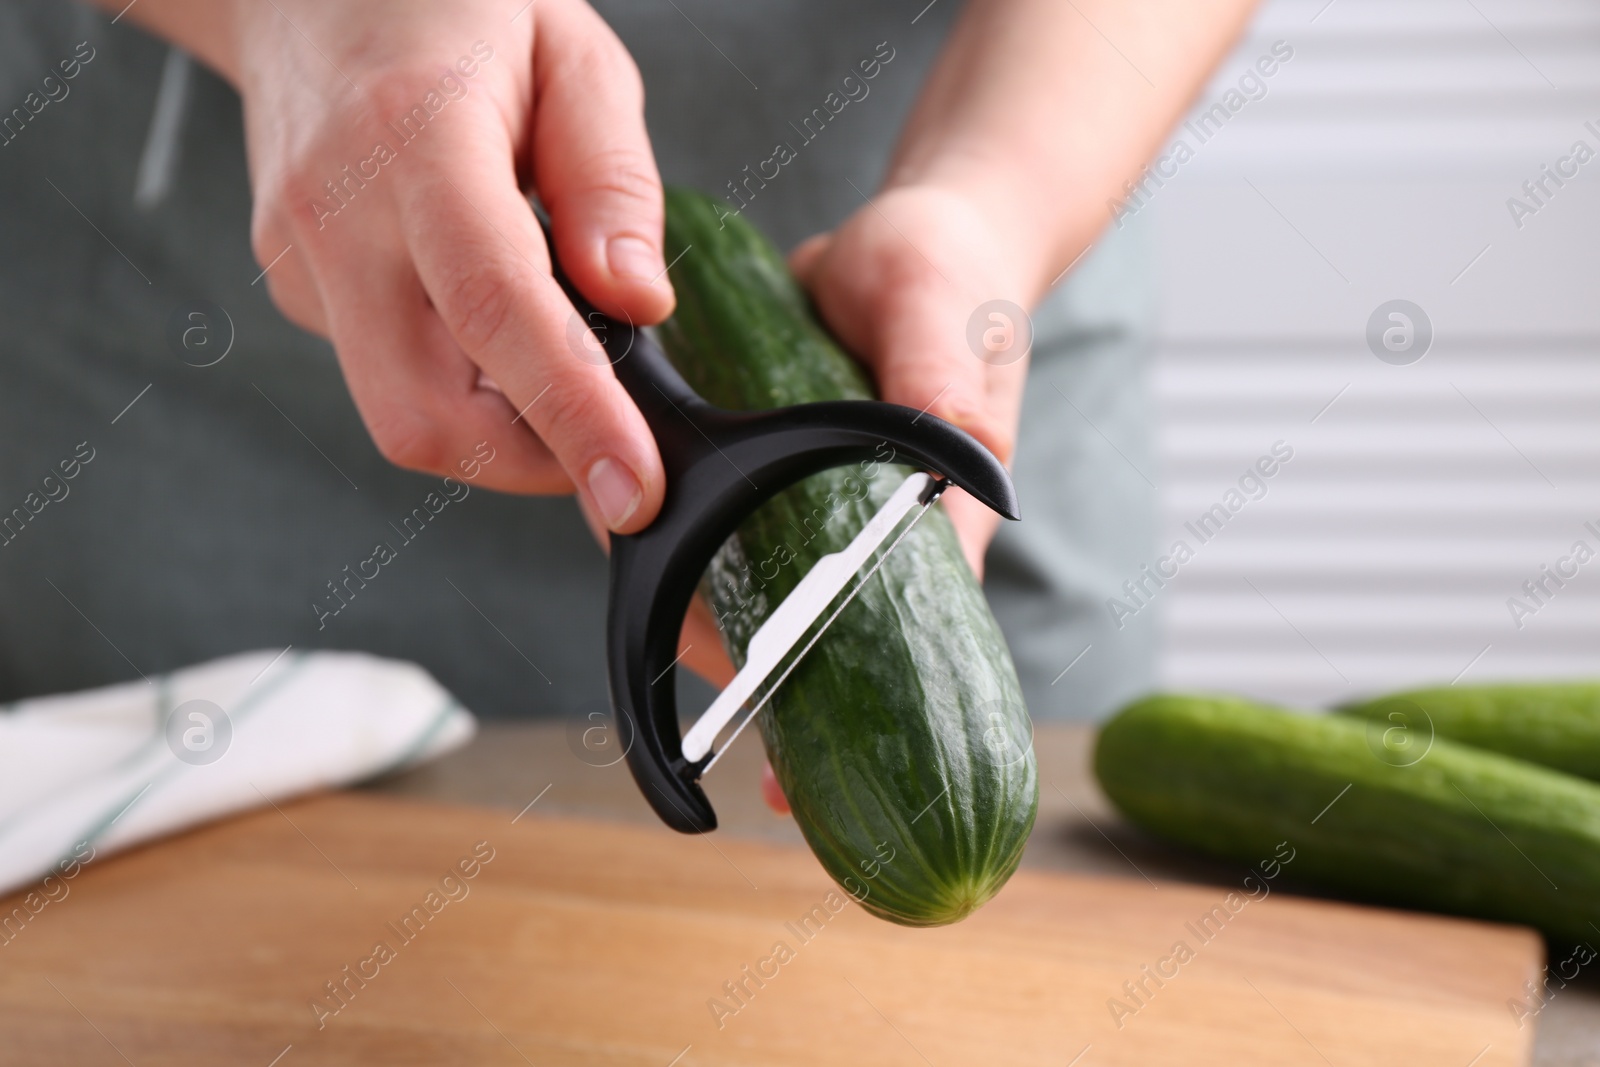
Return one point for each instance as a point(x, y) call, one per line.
point(429, 271)
point(389, 143)
point(904, 284)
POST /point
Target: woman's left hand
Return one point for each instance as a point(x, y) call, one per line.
point(910, 284)
point(906, 285)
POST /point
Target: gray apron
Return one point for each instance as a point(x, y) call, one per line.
point(209, 508)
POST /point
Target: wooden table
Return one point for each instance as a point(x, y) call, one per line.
point(1077, 830)
point(590, 940)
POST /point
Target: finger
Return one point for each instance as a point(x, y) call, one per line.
point(289, 279)
point(921, 359)
point(805, 257)
point(416, 390)
point(593, 167)
point(772, 792)
point(975, 525)
point(1005, 388)
point(700, 646)
point(908, 323)
point(483, 263)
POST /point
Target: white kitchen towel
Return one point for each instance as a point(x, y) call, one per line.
point(94, 772)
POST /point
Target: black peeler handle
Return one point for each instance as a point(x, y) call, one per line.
point(720, 466)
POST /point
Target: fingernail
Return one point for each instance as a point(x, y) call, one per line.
point(980, 425)
point(631, 257)
point(959, 412)
point(614, 490)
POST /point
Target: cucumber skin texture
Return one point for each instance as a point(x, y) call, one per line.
point(1556, 724)
point(1234, 778)
point(901, 740)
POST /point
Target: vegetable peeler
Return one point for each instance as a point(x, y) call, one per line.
point(720, 466)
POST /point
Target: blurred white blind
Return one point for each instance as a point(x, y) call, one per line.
point(1421, 497)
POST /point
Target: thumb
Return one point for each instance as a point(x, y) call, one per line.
point(807, 255)
point(914, 337)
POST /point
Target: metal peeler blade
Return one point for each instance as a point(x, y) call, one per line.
point(800, 610)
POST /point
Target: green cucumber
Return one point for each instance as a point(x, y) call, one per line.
point(1556, 724)
point(1459, 830)
point(901, 739)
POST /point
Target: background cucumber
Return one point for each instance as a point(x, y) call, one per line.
point(1555, 724)
point(901, 740)
point(1460, 830)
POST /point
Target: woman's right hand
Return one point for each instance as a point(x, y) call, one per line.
point(390, 142)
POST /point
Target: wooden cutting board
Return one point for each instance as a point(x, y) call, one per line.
point(593, 943)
